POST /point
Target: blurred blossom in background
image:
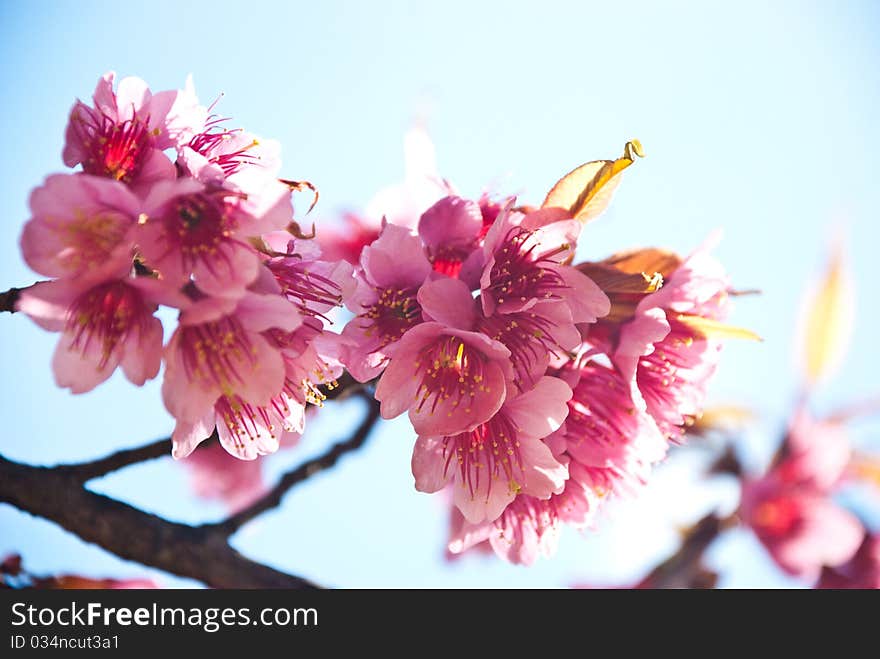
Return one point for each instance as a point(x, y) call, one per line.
point(757, 118)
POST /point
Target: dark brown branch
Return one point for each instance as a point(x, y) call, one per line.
point(86, 471)
point(200, 553)
point(685, 569)
point(9, 298)
point(273, 498)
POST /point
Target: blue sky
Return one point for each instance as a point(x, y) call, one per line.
point(756, 117)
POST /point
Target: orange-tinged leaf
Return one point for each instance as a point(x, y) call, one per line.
point(646, 260)
point(586, 191)
point(613, 280)
point(715, 329)
point(828, 320)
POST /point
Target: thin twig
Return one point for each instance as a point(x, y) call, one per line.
point(86, 471)
point(273, 498)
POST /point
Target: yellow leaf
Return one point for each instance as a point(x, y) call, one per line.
point(722, 417)
point(586, 191)
point(613, 280)
point(714, 329)
point(645, 260)
point(828, 319)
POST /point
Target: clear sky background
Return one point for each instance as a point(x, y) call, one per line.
point(758, 117)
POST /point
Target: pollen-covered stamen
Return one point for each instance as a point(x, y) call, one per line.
point(594, 412)
point(518, 274)
point(197, 225)
point(249, 423)
point(528, 336)
point(673, 368)
point(393, 313)
point(451, 372)
point(540, 516)
point(213, 354)
point(114, 149)
point(108, 314)
point(304, 287)
point(485, 457)
point(209, 143)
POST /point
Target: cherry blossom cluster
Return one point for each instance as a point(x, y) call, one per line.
point(536, 387)
point(171, 207)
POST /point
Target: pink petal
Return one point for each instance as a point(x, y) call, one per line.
point(395, 259)
point(82, 369)
point(250, 447)
point(543, 474)
point(46, 303)
point(486, 503)
point(262, 312)
point(586, 300)
point(141, 359)
point(132, 94)
point(452, 221)
point(428, 465)
point(227, 273)
point(448, 301)
point(449, 420)
point(188, 435)
point(541, 411)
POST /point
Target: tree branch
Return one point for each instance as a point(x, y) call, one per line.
point(273, 498)
point(86, 471)
point(9, 298)
point(685, 569)
point(199, 553)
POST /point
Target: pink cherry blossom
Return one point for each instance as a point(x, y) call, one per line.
point(802, 528)
point(531, 301)
point(451, 230)
point(193, 230)
point(223, 155)
point(311, 360)
point(316, 286)
point(523, 258)
point(221, 371)
point(501, 457)
point(612, 444)
point(668, 363)
point(527, 529)
point(106, 320)
point(123, 134)
point(385, 302)
point(450, 380)
point(78, 222)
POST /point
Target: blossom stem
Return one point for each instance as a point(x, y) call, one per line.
point(273, 498)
